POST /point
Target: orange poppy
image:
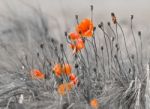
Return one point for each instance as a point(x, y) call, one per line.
point(67, 69)
point(80, 44)
point(69, 86)
point(63, 88)
point(37, 74)
point(73, 79)
point(57, 70)
point(74, 36)
point(85, 28)
point(94, 103)
point(72, 76)
point(77, 46)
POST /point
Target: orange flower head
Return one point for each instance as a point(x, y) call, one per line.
point(77, 45)
point(72, 76)
point(62, 89)
point(57, 70)
point(37, 74)
point(74, 36)
point(74, 82)
point(94, 103)
point(69, 86)
point(67, 69)
point(85, 28)
point(80, 44)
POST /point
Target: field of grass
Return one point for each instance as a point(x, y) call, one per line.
point(90, 65)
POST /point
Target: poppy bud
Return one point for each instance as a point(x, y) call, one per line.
point(102, 48)
point(100, 25)
point(132, 17)
point(76, 16)
point(139, 33)
point(76, 66)
point(42, 46)
point(92, 7)
point(66, 34)
point(108, 23)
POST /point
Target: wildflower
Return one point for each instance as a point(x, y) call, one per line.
point(80, 44)
point(73, 79)
point(77, 45)
point(74, 82)
point(69, 86)
point(64, 88)
point(94, 103)
point(114, 20)
point(61, 89)
point(67, 69)
point(85, 28)
point(74, 36)
point(37, 74)
point(57, 69)
point(72, 76)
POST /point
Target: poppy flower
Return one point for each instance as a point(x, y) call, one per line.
point(74, 82)
point(72, 76)
point(69, 86)
point(61, 89)
point(73, 79)
point(77, 45)
point(64, 88)
point(57, 69)
point(85, 28)
point(67, 69)
point(74, 36)
point(80, 44)
point(37, 74)
point(94, 103)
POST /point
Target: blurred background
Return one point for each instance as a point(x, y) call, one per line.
point(64, 11)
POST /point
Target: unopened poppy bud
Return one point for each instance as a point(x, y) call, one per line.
point(38, 54)
point(76, 66)
point(132, 56)
point(115, 56)
point(102, 48)
point(61, 46)
point(100, 25)
point(42, 46)
point(113, 38)
point(94, 28)
point(66, 34)
point(129, 70)
point(108, 23)
point(52, 40)
point(92, 7)
point(117, 46)
point(139, 33)
point(132, 17)
point(94, 69)
point(76, 16)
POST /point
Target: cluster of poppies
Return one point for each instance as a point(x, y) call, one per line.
point(83, 30)
point(65, 69)
point(77, 42)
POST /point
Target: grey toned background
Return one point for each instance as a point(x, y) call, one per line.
point(65, 10)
